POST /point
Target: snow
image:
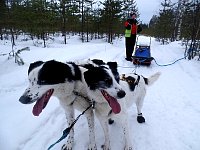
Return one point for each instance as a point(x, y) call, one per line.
point(171, 106)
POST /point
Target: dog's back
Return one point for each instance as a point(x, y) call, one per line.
point(135, 87)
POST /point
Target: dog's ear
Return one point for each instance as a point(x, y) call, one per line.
point(34, 65)
point(112, 65)
point(98, 61)
point(88, 77)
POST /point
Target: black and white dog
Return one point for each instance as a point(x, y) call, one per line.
point(135, 87)
point(63, 80)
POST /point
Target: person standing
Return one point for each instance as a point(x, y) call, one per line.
point(132, 28)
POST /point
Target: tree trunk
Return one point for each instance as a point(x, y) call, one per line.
point(12, 38)
point(43, 37)
point(82, 22)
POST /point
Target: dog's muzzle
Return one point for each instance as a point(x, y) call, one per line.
point(121, 94)
point(25, 100)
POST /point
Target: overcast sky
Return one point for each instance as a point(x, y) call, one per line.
point(148, 8)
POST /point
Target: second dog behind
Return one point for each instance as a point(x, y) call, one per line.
point(135, 87)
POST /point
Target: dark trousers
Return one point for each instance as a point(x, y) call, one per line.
point(130, 44)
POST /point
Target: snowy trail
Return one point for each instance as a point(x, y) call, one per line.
point(171, 106)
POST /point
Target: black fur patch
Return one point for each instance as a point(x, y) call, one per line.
point(110, 121)
point(132, 82)
point(145, 80)
point(34, 65)
point(88, 66)
point(113, 67)
point(77, 71)
point(54, 72)
point(97, 77)
point(98, 62)
point(140, 119)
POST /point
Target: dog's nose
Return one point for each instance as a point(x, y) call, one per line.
point(25, 100)
point(121, 94)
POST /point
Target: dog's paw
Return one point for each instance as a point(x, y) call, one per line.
point(110, 121)
point(66, 147)
point(140, 119)
point(104, 147)
point(92, 147)
point(69, 144)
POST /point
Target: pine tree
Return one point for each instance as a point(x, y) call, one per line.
point(165, 24)
point(110, 17)
point(3, 18)
point(130, 6)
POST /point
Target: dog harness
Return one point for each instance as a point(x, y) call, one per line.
point(67, 130)
point(86, 98)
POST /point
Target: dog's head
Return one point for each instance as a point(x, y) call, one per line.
point(46, 79)
point(101, 81)
point(111, 65)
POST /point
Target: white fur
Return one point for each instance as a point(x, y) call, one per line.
point(69, 101)
point(102, 109)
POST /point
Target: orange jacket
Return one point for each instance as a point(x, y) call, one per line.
point(131, 24)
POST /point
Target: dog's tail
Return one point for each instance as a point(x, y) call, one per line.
point(150, 80)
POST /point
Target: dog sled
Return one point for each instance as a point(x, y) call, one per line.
point(142, 54)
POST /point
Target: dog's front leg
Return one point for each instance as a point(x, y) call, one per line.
point(69, 112)
point(90, 119)
point(128, 143)
point(125, 126)
point(104, 123)
point(140, 117)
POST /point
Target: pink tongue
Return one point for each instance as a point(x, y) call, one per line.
point(114, 105)
point(37, 109)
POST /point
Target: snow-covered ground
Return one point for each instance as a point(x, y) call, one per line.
point(171, 107)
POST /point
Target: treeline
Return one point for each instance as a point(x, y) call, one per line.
point(90, 19)
point(99, 19)
point(178, 21)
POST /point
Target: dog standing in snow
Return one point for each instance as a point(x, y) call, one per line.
point(135, 87)
point(107, 107)
point(63, 80)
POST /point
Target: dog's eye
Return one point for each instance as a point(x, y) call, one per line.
point(108, 81)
